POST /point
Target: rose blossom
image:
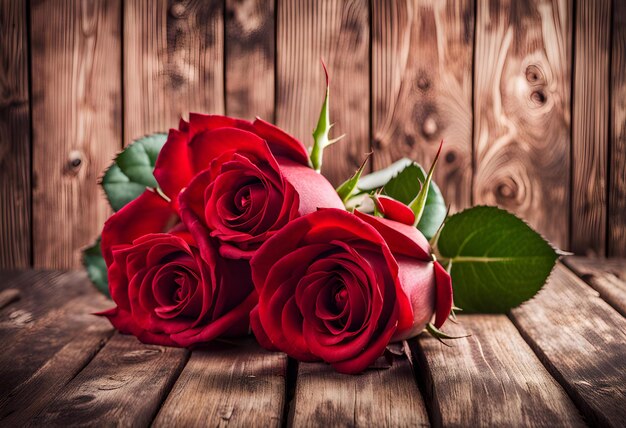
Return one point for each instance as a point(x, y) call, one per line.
point(338, 287)
point(171, 288)
point(239, 181)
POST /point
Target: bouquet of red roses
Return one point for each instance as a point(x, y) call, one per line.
point(225, 226)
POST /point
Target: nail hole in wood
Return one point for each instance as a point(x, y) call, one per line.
point(450, 157)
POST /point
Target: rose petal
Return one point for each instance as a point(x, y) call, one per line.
point(281, 143)
point(206, 146)
point(259, 332)
point(401, 238)
point(132, 222)
point(443, 304)
point(172, 169)
point(314, 190)
point(395, 210)
point(417, 278)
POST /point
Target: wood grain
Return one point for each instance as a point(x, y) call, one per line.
point(580, 339)
point(521, 111)
point(590, 130)
point(606, 276)
point(15, 155)
point(378, 397)
point(123, 386)
point(54, 308)
point(173, 63)
point(239, 385)
point(48, 336)
point(249, 56)
point(422, 89)
point(27, 399)
point(617, 167)
point(491, 378)
point(76, 112)
point(336, 31)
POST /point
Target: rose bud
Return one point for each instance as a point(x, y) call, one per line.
point(394, 210)
point(171, 288)
point(242, 181)
point(338, 287)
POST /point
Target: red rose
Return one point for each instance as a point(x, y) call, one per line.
point(242, 181)
point(339, 287)
point(171, 288)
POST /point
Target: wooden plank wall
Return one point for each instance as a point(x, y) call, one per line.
point(529, 97)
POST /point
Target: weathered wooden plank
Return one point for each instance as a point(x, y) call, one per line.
point(521, 111)
point(76, 111)
point(8, 296)
point(617, 167)
point(606, 276)
point(422, 88)
point(8, 278)
point(123, 385)
point(338, 32)
point(28, 398)
point(41, 292)
point(491, 378)
point(378, 397)
point(580, 339)
point(590, 130)
point(53, 308)
point(15, 155)
point(239, 385)
point(173, 63)
point(249, 56)
point(48, 336)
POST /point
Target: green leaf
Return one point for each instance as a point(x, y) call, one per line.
point(96, 267)
point(379, 178)
point(406, 185)
point(349, 187)
point(497, 260)
point(131, 171)
point(321, 139)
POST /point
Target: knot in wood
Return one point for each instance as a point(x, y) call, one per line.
point(74, 162)
point(422, 82)
point(177, 10)
point(534, 75)
point(506, 191)
point(450, 157)
point(429, 127)
point(538, 97)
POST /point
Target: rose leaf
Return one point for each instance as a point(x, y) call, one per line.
point(379, 178)
point(131, 171)
point(496, 260)
point(96, 267)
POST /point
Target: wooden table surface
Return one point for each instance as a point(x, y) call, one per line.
point(558, 360)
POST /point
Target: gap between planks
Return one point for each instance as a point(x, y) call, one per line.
point(52, 330)
point(491, 378)
point(580, 340)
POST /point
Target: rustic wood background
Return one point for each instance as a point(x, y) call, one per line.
point(529, 96)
